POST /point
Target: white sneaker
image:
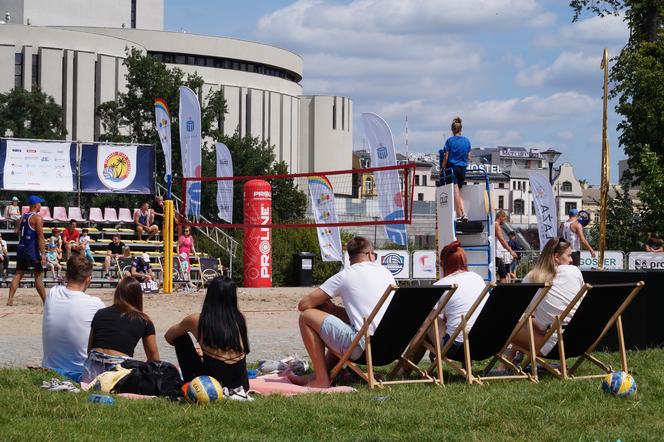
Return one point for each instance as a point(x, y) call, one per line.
point(236, 394)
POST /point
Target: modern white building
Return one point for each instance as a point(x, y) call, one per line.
point(73, 50)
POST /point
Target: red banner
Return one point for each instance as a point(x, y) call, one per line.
point(257, 245)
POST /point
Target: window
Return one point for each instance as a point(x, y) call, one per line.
point(18, 70)
point(596, 217)
point(424, 180)
point(420, 197)
point(569, 206)
point(567, 186)
point(133, 14)
point(343, 114)
point(518, 207)
point(513, 185)
point(501, 202)
point(501, 185)
point(368, 185)
point(417, 180)
point(248, 112)
point(35, 70)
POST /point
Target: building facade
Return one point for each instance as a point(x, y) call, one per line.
point(75, 54)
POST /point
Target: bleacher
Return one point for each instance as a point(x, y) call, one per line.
point(102, 226)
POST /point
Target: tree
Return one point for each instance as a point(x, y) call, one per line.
point(651, 192)
point(622, 226)
point(31, 115)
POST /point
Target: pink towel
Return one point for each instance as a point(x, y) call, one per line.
point(279, 384)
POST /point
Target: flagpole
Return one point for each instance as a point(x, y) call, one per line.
point(605, 163)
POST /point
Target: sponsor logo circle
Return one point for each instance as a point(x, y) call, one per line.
point(264, 247)
point(393, 262)
point(116, 167)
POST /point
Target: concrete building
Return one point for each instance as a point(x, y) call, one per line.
point(75, 52)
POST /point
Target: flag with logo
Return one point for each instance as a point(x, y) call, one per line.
point(114, 168)
point(163, 125)
point(545, 207)
point(322, 205)
point(190, 145)
point(388, 182)
point(224, 187)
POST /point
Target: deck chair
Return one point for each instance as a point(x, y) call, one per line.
point(123, 265)
point(404, 326)
point(600, 308)
point(508, 307)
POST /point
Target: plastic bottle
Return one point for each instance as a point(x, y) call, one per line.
point(101, 399)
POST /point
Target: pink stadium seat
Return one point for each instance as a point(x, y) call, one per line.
point(60, 214)
point(110, 215)
point(95, 215)
point(75, 214)
point(25, 209)
point(125, 216)
point(45, 213)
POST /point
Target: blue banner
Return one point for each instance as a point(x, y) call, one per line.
point(117, 169)
point(38, 165)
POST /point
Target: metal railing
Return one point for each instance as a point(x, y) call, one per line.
point(214, 234)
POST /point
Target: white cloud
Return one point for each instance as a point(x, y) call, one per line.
point(565, 135)
point(611, 31)
point(578, 70)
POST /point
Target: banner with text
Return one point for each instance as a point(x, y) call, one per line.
point(163, 125)
point(613, 260)
point(424, 264)
point(190, 146)
point(390, 198)
point(645, 261)
point(37, 166)
point(545, 208)
point(224, 187)
point(322, 206)
point(396, 261)
point(117, 169)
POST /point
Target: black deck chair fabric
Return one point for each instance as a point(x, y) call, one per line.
point(404, 316)
point(595, 310)
point(502, 311)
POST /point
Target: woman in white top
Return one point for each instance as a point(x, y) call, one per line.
point(553, 266)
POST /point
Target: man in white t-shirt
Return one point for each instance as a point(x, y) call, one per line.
point(325, 325)
point(68, 313)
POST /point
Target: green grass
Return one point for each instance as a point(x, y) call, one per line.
point(508, 410)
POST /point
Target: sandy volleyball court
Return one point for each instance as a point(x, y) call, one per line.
point(271, 317)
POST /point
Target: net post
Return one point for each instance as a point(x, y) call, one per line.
point(167, 268)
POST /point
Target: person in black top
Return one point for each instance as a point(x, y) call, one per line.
point(654, 244)
point(113, 252)
point(221, 331)
point(141, 269)
point(116, 330)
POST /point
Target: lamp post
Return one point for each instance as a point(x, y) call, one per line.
point(551, 156)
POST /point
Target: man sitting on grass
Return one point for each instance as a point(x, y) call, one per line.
point(325, 325)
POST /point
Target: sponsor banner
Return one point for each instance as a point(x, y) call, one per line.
point(645, 261)
point(117, 169)
point(396, 261)
point(388, 183)
point(445, 214)
point(424, 264)
point(257, 242)
point(37, 166)
point(613, 260)
point(190, 145)
point(163, 125)
point(322, 206)
point(225, 187)
point(545, 208)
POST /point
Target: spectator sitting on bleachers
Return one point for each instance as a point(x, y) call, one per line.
point(126, 252)
point(113, 252)
point(144, 220)
point(140, 268)
point(53, 260)
point(13, 211)
point(84, 241)
point(4, 257)
point(56, 237)
point(70, 238)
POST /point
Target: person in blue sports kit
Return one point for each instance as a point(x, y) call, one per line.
point(31, 249)
point(456, 155)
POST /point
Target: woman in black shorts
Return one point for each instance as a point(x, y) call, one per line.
point(455, 155)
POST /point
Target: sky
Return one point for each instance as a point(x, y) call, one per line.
point(518, 72)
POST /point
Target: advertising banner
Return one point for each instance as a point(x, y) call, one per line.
point(445, 214)
point(424, 264)
point(37, 166)
point(545, 208)
point(117, 169)
point(322, 206)
point(257, 241)
point(645, 261)
point(225, 187)
point(613, 260)
point(163, 125)
point(396, 261)
point(388, 183)
point(190, 145)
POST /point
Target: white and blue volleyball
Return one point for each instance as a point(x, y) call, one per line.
point(203, 390)
point(620, 384)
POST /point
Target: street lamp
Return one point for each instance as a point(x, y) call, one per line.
point(551, 156)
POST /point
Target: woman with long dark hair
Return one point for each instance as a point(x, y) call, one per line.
point(221, 331)
point(116, 330)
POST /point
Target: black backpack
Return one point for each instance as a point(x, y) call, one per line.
point(154, 378)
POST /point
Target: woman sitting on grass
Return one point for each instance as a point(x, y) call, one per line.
point(552, 266)
point(221, 331)
point(116, 330)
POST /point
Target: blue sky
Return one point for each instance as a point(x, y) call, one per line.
point(518, 72)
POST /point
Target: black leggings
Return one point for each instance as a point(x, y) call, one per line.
point(229, 375)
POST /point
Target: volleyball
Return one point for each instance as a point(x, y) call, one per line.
point(620, 384)
point(203, 390)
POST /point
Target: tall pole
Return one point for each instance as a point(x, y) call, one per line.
point(605, 163)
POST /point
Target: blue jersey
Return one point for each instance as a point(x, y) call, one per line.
point(143, 217)
point(28, 246)
point(457, 148)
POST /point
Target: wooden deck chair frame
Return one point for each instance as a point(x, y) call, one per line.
point(415, 342)
point(467, 369)
point(565, 373)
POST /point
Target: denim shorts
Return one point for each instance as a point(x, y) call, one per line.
point(98, 363)
point(338, 336)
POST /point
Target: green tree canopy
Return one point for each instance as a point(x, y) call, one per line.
point(31, 114)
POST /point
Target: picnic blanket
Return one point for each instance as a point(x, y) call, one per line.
point(278, 383)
